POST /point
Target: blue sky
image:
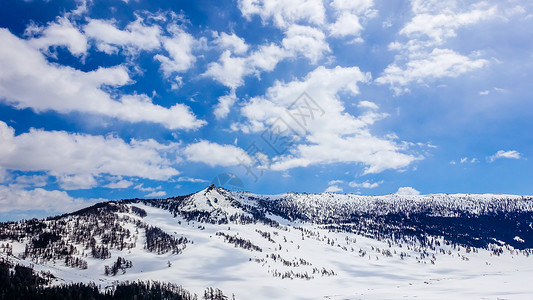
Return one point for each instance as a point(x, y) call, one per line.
point(103, 100)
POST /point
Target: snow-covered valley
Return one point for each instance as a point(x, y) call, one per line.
point(254, 247)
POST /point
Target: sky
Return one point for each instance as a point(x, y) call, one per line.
point(106, 100)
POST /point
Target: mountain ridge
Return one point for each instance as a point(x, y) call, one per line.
point(243, 242)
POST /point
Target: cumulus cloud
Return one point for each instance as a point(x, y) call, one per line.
point(179, 47)
point(76, 182)
point(4, 175)
point(367, 104)
point(407, 190)
point(156, 194)
point(330, 134)
point(135, 36)
point(513, 154)
point(346, 24)
point(224, 105)
point(59, 33)
point(299, 40)
point(232, 42)
point(142, 188)
point(76, 158)
point(443, 25)
point(229, 70)
point(214, 154)
point(365, 185)
point(422, 57)
point(356, 6)
point(120, 184)
point(13, 198)
point(349, 16)
point(28, 80)
point(437, 64)
point(333, 189)
point(335, 182)
point(190, 179)
point(31, 180)
point(284, 13)
point(305, 41)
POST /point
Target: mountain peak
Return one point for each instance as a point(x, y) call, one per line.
point(218, 202)
point(213, 186)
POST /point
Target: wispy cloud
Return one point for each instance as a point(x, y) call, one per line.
point(513, 154)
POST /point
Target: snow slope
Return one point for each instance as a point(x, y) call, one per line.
point(305, 259)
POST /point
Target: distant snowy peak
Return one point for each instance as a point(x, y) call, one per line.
point(218, 202)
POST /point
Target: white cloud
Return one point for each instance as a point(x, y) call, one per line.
point(4, 175)
point(190, 179)
point(141, 187)
point(121, 184)
point(229, 70)
point(433, 23)
point(224, 105)
point(437, 64)
point(299, 40)
point(306, 41)
point(331, 135)
point(74, 158)
point(407, 190)
point(335, 182)
point(333, 189)
point(367, 104)
point(432, 6)
point(466, 160)
point(28, 80)
point(59, 33)
point(214, 154)
point(377, 154)
point(441, 26)
point(179, 48)
point(13, 198)
point(284, 13)
point(356, 6)
point(232, 42)
point(346, 24)
point(505, 154)
point(157, 194)
point(136, 36)
point(31, 180)
point(76, 182)
point(365, 185)
point(350, 15)
point(515, 10)
point(81, 8)
point(265, 58)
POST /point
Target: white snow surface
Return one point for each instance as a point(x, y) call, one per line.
point(356, 267)
point(216, 201)
point(330, 203)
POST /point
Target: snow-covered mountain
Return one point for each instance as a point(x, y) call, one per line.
point(290, 246)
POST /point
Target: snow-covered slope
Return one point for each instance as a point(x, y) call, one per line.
point(217, 202)
point(331, 204)
point(292, 246)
